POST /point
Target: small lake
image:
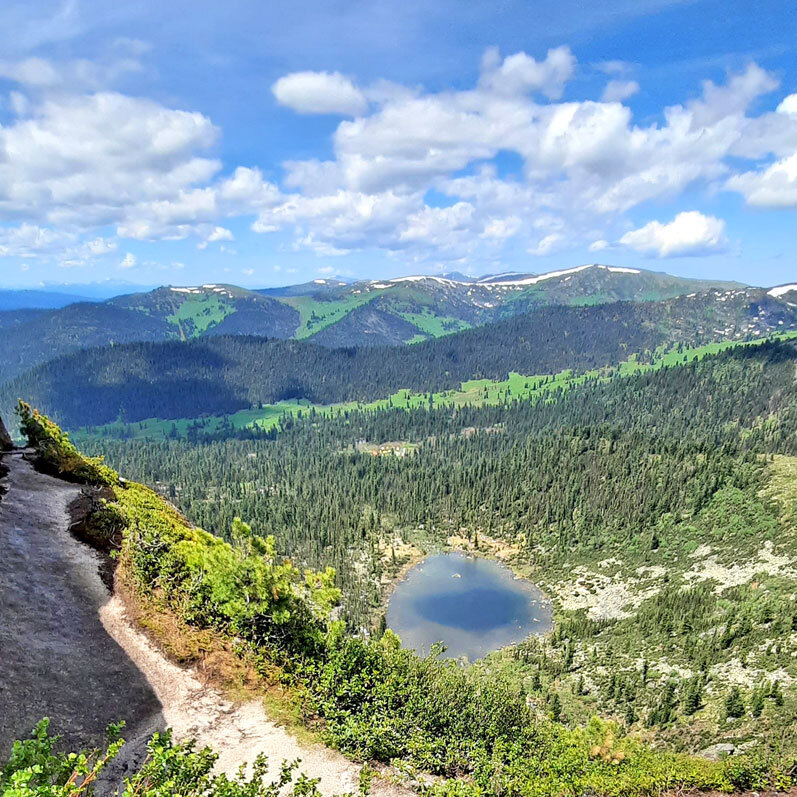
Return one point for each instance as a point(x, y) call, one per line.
point(472, 605)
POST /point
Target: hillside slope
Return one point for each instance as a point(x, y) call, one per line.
point(63, 610)
point(370, 312)
point(221, 375)
point(35, 336)
point(470, 729)
point(216, 309)
point(441, 305)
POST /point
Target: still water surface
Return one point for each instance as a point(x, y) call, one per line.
point(473, 606)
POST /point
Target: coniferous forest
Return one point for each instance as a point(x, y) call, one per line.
point(642, 476)
point(223, 374)
point(674, 484)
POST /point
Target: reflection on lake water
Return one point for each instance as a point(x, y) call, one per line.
point(473, 606)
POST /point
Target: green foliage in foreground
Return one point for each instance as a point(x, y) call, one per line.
point(377, 700)
point(35, 770)
point(58, 454)
point(241, 589)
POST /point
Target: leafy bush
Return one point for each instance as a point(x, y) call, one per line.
point(169, 769)
point(56, 452)
point(34, 769)
point(244, 589)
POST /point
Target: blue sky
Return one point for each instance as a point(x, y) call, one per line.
point(268, 143)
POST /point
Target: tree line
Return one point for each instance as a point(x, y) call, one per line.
point(222, 375)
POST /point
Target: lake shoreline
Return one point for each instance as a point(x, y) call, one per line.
point(474, 605)
point(490, 548)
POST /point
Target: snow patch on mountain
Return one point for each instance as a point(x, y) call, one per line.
point(419, 277)
point(219, 290)
point(781, 290)
point(533, 279)
point(516, 279)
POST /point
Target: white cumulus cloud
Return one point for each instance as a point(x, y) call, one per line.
point(215, 234)
point(31, 240)
point(87, 160)
point(689, 233)
point(413, 171)
point(220, 234)
point(319, 92)
point(788, 105)
point(128, 261)
point(772, 187)
point(585, 163)
point(521, 73)
point(98, 247)
point(619, 90)
point(549, 244)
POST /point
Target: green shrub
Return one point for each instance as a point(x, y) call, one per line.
point(56, 452)
point(34, 770)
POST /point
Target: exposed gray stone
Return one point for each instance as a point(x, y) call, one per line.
point(718, 751)
point(6, 444)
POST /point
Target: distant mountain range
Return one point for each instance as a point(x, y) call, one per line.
point(220, 374)
point(38, 300)
point(334, 313)
point(47, 296)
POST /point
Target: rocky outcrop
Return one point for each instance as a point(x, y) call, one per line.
point(93, 521)
point(718, 751)
point(6, 444)
point(56, 658)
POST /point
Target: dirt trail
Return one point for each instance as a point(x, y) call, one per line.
point(68, 651)
point(237, 733)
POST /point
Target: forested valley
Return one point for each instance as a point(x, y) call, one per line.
point(657, 510)
point(398, 399)
point(222, 375)
point(642, 474)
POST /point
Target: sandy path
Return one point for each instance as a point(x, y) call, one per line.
point(237, 733)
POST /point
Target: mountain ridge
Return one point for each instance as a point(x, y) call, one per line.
point(223, 374)
point(29, 299)
point(329, 312)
